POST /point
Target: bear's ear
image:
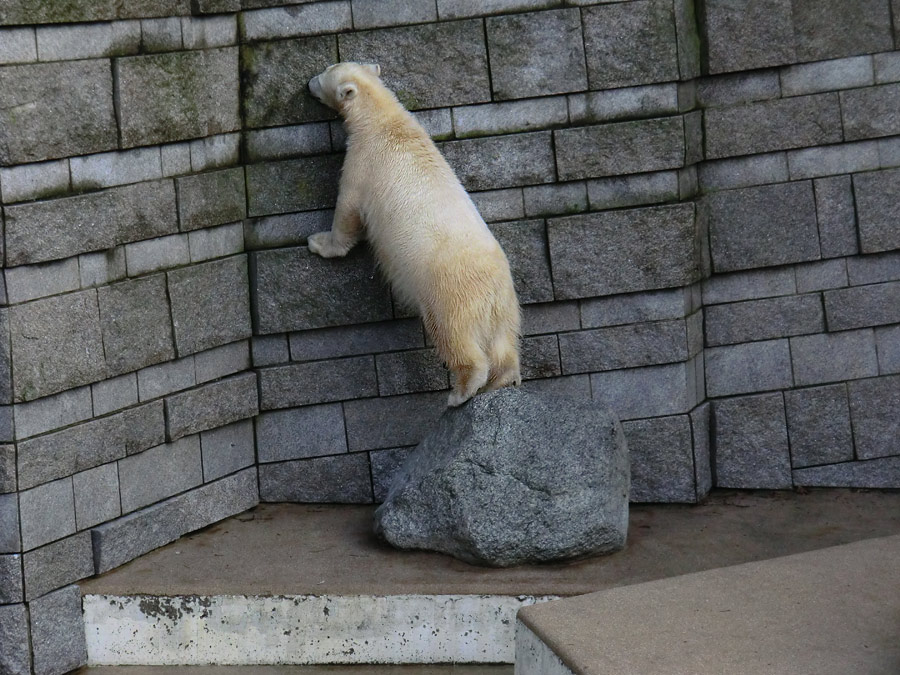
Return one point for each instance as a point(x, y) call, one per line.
point(373, 68)
point(346, 91)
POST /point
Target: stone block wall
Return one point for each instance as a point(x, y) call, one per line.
point(699, 203)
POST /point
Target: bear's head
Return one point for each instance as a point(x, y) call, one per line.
point(340, 83)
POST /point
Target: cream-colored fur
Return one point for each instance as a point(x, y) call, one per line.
point(432, 245)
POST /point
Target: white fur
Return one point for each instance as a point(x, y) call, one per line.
point(427, 235)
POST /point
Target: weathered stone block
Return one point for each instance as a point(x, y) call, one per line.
point(496, 205)
point(227, 449)
point(50, 110)
point(166, 378)
point(293, 185)
point(636, 190)
point(871, 112)
point(56, 344)
point(294, 289)
point(555, 199)
point(103, 267)
point(378, 13)
point(763, 226)
point(623, 251)
point(343, 479)
point(57, 632)
point(878, 210)
point(830, 160)
point(96, 496)
point(817, 276)
point(811, 78)
point(34, 181)
point(539, 357)
point(30, 282)
point(509, 117)
point(10, 541)
point(630, 43)
point(377, 423)
point(371, 338)
point(662, 459)
point(154, 255)
point(317, 382)
point(52, 412)
point(652, 100)
point(748, 285)
point(210, 31)
point(287, 142)
point(836, 215)
point(209, 199)
point(773, 125)
point(291, 229)
point(10, 584)
point(134, 321)
point(221, 361)
point(751, 443)
point(553, 63)
point(69, 43)
point(215, 152)
point(738, 88)
point(212, 405)
point(170, 97)
point(742, 172)
point(58, 564)
point(269, 350)
point(160, 472)
point(888, 341)
point(624, 147)
point(550, 317)
point(15, 658)
point(62, 227)
point(643, 344)
point(301, 433)
point(832, 357)
point(275, 75)
point(819, 425)
point(827, 29)
point(210, 304)
point(876, 425)
point(646, 392)
point(748, 368)
point(8, 462)
point(46, 513)
point(745, 36)
point(502, 161)
point(525, 246)
point(875, 473)
point(410, 371)
point(18, 46)
point(305, 19)
point(428, 66)
point(634, 308)
point(216, 242)
point(863, 306)
point(37, 11)
point(873, 269)
point(126, 538)
point(763, 319)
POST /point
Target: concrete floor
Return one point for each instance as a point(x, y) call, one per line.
point(290, 549)
point(830, 612)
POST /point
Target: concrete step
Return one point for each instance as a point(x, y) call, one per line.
point(294, 584)
point(830, 612)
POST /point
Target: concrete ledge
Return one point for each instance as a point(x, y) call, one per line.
point(831, 611)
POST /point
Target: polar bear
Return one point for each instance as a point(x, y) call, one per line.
point(428, 238)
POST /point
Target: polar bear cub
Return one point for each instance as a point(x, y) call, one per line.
point(428, 238)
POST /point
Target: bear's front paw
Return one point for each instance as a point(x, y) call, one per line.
point(322, 243)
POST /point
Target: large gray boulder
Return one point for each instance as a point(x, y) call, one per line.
point(513, 477)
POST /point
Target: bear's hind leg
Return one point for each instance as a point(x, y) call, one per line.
point(468, 380)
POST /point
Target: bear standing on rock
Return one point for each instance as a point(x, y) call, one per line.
point(427, 235)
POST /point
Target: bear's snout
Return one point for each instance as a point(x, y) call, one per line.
point(315, 88)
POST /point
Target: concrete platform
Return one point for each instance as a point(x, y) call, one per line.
point(829, 612)
point(292, 584)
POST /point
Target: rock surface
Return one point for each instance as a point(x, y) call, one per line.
point(513, 477)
